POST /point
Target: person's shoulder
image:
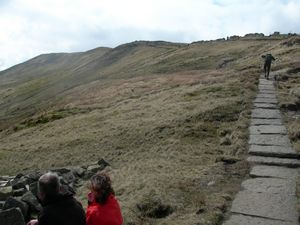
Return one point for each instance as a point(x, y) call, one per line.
point(93, 207)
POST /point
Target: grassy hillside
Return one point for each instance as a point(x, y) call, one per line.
point(170, 118)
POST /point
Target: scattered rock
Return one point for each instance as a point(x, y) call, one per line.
point(225, 141)
point(12, 216)
point(94, 168)
point(78, 171)
point(227, 197)
point(3, 183)
point(221, 206)
point(33, 177)
point(5, 192)
point(281, 77)
point(103, 162)
point(18, 182)
point(19, 192)
point(33, 187)
point(294, 70)
point(200, 210)
point(16, 203)
point(227, 159)
point(210, 183)
point(1, 204)
point(224, 132)
point(68, 177)
point(32, 201)
point(61, 171)
point(291, 106)
point(19, 175)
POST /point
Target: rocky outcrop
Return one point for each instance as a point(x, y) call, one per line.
point(18, 194)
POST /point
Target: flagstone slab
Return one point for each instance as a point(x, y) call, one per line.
point(266, 113)
point(266, 100)
point(263, 80)
point(268, 129)
point(265, 105)
point(274, 171)
point(240, 219)
point(266, 90)
point(274, 161)
point(265, 121)
point(269, 139)
point(263, 95)
point(273, 151)
point(267, 205)
point(266, 86)
point(271, 186)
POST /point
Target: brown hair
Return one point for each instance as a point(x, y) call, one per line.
point(101, 184)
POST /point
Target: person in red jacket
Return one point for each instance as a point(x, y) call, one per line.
point(103, 207)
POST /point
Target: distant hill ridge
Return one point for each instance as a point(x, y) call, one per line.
point(34, 84)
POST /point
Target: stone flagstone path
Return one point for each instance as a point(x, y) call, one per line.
point(269, 196)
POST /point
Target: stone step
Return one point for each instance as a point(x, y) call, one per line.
point(263, 95)
point(263, 80)
point(274, 171)
point(267, 205)
point(269, 139)
point(267, 129)
point(239, 219)
point(265, 105)
point(265, 122)
point(270, 185)
point(265, 100)
point(274, 161)
point(266, 113)
point(273, 151)
point(266, 86)
point(267, 91)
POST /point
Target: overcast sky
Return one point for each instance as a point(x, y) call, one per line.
point(32, 27)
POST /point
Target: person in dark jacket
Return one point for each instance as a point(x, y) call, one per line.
point(267, 66)
point(59, 205)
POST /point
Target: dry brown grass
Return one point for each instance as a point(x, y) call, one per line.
point(163, 134)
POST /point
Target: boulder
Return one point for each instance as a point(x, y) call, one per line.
point(1, 204)
point(32, 201)
point(69, 177)
point(3, 183)
point(11, 217)
point(5, 192)
point(227, 159)
point(19, 182)
point(16, 203)
point(78, 171)
point(33, 177)
point(103, 162)
point(88, 174)
point(61, 171)
point(95, 168)
point(19, 192)
point(33, 187)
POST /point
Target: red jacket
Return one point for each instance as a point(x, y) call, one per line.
point(107, 214)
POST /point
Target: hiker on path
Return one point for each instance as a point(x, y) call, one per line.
point(59, 206)
point(267, 66)
point(103, 207)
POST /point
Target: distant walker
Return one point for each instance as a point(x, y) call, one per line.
point(267, 66)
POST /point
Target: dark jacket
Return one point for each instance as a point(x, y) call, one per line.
point(269, 58)
point(62, 209)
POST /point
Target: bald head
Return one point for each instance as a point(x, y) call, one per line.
point(49, 185)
